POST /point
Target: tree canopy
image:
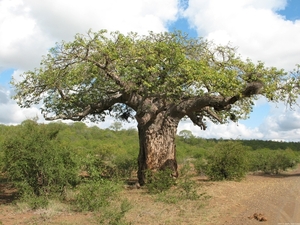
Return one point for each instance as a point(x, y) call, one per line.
point(103, 72)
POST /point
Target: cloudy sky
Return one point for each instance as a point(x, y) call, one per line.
point(266, 30)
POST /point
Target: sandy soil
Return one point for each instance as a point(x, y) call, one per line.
point(276, 198)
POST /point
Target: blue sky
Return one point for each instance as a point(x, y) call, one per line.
point(262, 30)
point(292, 10)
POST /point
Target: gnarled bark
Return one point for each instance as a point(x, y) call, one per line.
point(157, 146)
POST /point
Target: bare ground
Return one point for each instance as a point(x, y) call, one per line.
point(276, 198)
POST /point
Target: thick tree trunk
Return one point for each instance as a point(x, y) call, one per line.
point(157, 146)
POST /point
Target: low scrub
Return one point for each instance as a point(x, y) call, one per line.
point(37, 164)
point(159, 181)
point(227, 161)
point(94, 195)
point(273, 161)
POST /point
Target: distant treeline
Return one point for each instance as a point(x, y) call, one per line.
point(80, 136)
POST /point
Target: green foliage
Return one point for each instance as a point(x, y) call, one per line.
point(103, 197)
point(115, 215)
point(185, 188)
point(36, 162)
point(96, 167)
point(227, 161)
point(159, 181)
point(186, 185)
point(35, 202)
point(116, 126)
point(273, 161)
point(95, 195)
point(186, 135)
point(200, 165)
point(125, 165)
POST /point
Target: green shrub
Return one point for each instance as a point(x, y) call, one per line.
point(227, 161)
point(36, 162)
point(96, 167)
point(186, 188)
point(272, 161)
point(159, 181)
point(114, 215)
point(186, 184)
point(35, 202)
point(94, 195)
point(125, 165)
point(200, 165)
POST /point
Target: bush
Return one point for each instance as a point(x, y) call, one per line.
point(159, 181)
point(186, 184)
point(272, 161)
point(94, 195)
point(36, 162)
point(96, 167)
point(125, 165)
point(228, 161)
point(200, 165)
point(114, 215)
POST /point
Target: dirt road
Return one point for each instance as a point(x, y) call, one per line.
point(276, 197)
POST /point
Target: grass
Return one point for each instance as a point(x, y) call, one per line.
point(139, 207)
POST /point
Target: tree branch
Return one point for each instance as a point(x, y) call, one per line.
point(89, 109)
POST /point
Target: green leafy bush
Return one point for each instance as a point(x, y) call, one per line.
point(159, 181)
point(227, 161)
point(186, 184)
point(125, 165)
point(36, 162)
point(114, 215)
point(200, 165)
point(185, 188)
point(94, 195)
point(96, 167)
point(272, 161)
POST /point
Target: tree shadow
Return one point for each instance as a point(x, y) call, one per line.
point(7, 192)
point(279, 175)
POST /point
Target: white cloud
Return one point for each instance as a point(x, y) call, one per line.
point(65, 18)
point(29, 28)
point(10, 112)
point(21, 41)
point(226, 131)
point(252, 25)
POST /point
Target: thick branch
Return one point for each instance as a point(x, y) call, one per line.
point(197, 108)
point(90, 109)
point(198, 117)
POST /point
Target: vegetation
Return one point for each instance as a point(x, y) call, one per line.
point(227, 161)
point(157, 79)
point(87, 167)
point(273, 162)
point(37, 163)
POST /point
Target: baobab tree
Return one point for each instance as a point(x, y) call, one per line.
point(157, 79)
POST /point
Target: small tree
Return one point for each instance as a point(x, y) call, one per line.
point(186, 134)
point(228, 161)
point(116, 126)
point(158, 79)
